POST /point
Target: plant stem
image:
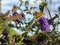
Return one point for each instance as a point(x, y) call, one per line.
point(48, 12)
point(47, 8)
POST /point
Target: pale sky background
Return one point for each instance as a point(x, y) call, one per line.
point(7, 5)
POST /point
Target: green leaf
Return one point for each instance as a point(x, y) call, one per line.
point(41, 7)
point(32, 8)
point(26, 3)
point(58, 8)
point(28, 12)
point(21, 2)
point(52, 19)
point(58, 22)
point(26, 8)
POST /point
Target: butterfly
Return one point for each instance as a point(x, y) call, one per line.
point(38, 14)
point(14, 17)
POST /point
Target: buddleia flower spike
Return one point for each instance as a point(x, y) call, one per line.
point(44, 24)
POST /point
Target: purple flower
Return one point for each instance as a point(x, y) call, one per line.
point(20, 18)
point(5, 32)
point(2, 41)
point(14, 13)
point(45, 41)
point(44, 24)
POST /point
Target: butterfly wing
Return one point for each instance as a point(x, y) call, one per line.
point(15, 17)
point(38, 14)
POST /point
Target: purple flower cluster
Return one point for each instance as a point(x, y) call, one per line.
point(44, 24)
point(14, 13)
point(5, 32)
point(20, 18)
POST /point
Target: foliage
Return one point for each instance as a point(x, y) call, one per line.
point(36, 36)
